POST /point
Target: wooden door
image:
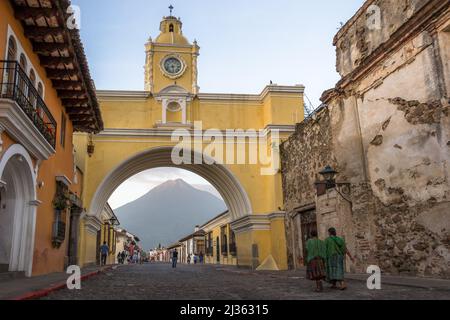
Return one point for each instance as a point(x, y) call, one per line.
point(308, 224)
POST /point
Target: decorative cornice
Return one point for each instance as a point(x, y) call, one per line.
point(271, 89)
point(64, 180)
point(120, 95)
point(256, 222)
point(220, 220)
point(17, 124)
point(251, 222)
point(161, 131)
point(108, 95)
point(92, 224)
point(277, 215)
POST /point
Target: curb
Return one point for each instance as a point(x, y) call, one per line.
point(34, 295)
point(397, 283)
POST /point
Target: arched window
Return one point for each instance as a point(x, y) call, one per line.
point(31, 90)
point(22, 77)
point(40, 90)
point(23, 62)
point(12, 49)
point(8, 89)
point(171, 28)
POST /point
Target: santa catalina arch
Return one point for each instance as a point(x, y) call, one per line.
point(139, 134)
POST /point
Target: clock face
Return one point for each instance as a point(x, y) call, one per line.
point(173, 66)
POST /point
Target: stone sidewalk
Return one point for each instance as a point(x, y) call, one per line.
point(394, 280)
point(53, 284)
point(213, 282)
point(37, 287)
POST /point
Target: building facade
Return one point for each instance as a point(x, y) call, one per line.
point(220, 241)
point(193, 245)
point(44, 87)
point(385, 128)
point(138, 135)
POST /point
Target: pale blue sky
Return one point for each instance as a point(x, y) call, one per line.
point(244, 45)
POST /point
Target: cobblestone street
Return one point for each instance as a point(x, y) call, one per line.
point(161, 282)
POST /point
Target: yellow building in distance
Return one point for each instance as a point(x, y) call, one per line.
point(138, 135)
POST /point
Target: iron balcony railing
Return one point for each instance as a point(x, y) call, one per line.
point(17, 86)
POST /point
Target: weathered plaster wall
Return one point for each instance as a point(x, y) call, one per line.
point(386, 129)
point(356, 41)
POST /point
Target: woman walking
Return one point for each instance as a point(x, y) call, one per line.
point(316, 260)
point(336, 250)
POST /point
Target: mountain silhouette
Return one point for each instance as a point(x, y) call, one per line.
point(168, 212)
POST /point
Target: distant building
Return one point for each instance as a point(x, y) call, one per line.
point(220, 241)
point(193, 245)
point(170, 249)
point(124, 241)
point(108, 234)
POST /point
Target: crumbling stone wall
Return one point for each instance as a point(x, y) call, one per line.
point(303, 156)
point(356, 41)
point(386, 128)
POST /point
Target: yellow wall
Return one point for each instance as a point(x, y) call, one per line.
point(46, 258)
point(277, 105)
point(216, 233)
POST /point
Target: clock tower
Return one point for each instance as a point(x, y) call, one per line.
point(171, 60)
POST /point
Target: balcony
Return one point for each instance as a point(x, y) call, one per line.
point(17, 87)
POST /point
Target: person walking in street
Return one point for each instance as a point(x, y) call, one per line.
point(336, 250)
point(104, 252)
point(316, 270)
point(123, 255)
point(174, 258)
point(202, 257)
point(195, 259)
point(189, 259)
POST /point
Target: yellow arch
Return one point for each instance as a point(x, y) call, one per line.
point(219, 176)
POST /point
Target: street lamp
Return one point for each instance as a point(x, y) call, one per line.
point(329, 175)
point(329, 181)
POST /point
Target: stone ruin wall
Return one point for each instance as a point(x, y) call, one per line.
point(355, 41)
point(388, 133)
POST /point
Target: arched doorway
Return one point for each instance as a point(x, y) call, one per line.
point(219, 176)
point(17, 211)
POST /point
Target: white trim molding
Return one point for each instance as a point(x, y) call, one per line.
point(17, 124)
point(251, 222)
point(167, 130)
point(119, 95)
point(64, 180)
point(17, 166)
point(92, 224)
